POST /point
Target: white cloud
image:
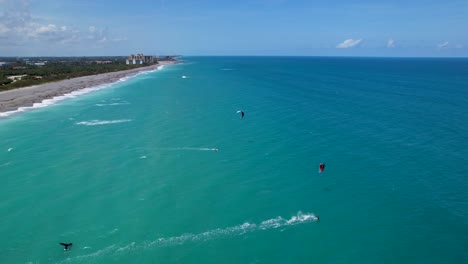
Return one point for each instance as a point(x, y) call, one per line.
point(390, 43)
point(47, 29)
point(101, 35)
point(3, 29)
point(102, 40)
point(349, 43)
point(18, 27)
point(443, 45)
point(459, 46)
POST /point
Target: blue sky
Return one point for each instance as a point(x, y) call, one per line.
point(216, 27)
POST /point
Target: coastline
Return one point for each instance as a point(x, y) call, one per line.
point(21, 99)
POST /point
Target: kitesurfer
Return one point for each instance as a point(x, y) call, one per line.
point(321, 167)
point(242, 114)
point(66, 245)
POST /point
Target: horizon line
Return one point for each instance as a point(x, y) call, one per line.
point(318, 56)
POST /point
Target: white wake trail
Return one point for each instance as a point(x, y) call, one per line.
point(218, 233)
point(299, 218)
point(188, 148)
point(102, 122)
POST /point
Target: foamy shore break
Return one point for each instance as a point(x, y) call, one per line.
point(28, 96)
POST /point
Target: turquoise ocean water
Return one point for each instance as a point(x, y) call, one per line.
point(130, 173)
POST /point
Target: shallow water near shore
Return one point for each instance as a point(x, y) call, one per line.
point(162, 169)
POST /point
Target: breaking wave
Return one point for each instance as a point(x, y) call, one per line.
point(56, 99)
point(73, 94)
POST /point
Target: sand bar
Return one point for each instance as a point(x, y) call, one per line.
point(22, 97)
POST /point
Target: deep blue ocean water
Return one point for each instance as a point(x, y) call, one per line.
point(130, 173)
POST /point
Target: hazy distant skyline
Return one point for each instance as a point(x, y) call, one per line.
point(214, 27)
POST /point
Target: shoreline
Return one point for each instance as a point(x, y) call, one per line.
point(21, 99)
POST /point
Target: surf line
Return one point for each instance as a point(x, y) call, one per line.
point(78, 92)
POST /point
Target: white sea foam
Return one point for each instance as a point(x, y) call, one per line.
point(127, 247)
point(97, 253)
point(112, 104)
point(218, 233)
point(205, 236)
point(274, 223)
point(5, 164)
point(102, 122)
point(184, 77)
point(195, 149)
point(10, 149)
point(244, 228)
point(56, 99)
point(143, 157)
point(113, 231)
point(48, 102)
point(226, 69)
point(87, 258)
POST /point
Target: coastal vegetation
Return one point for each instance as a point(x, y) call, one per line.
point(16, 73)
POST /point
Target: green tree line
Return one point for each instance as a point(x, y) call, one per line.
point(55, 71)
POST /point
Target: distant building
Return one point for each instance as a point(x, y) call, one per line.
point(139, 59)
point(36, 63)
point(104, 62)
point(16, 77)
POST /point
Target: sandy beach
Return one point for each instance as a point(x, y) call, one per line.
point(27, 96)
